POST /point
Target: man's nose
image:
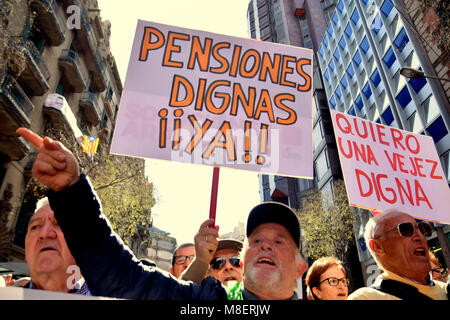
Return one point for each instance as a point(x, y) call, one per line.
point(48, 231)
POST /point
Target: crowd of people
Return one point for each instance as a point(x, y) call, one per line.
point(266, 266)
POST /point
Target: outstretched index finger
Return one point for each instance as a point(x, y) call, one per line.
point(30, 136)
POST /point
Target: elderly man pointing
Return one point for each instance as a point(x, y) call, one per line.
point(108, 266)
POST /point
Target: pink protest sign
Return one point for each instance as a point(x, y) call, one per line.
point(385, 168)
point(198, 97)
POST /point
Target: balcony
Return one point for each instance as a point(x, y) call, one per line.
point(98, 76)
point(88, 45)
point(75, 73)
point(108, 102)
point(34, 79)
point(90, 108)
point(50, 20)
point(15, 111)
point(59, 112)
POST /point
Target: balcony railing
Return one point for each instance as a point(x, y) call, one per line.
point(50, 20)
point(75, 73)
point(15, 102)
point(15, 111)
point(89, 104)
point(36, 75)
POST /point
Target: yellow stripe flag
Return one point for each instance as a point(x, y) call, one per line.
point(90, 144)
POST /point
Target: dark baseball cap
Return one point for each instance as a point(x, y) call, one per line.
point(229, 244)
point(274, 212)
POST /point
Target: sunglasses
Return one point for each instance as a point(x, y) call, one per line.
point(182, 259)
point(406, 229)
point(439, 270)
point(334, 282)
point(219, 262)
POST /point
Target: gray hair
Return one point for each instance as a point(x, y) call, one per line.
point(370, 230)
point(41, 203)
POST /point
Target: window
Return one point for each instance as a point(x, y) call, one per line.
point(377, 23)
point(350, 71)
point(389, 58)
point(404, 98)
point(340, 6)
point(342, 43)
point(333, 102)
point(386, 7)
point(401, 40)
point(317, 135)
point(367, 91)
point(359, 102)
point(330, 31)
point(364, 45)
point(437, 130)
point(375, 77)
point(344, 82)
point(352, 111)
point(325, 41)
point(331, 65)
point(355, 17)
point(321, 165)
point(348, 30)
point(378, 121)
point(418, 83)
point(326, 75)
point(365, 2)
point(357, 58)
point(388, 117)
point(338, 93)
point(335, 19)
point(321, 51)
point(336, 55)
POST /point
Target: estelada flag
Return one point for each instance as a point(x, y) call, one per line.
point(90, 144)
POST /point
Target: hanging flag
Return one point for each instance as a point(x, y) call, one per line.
point(90, 144)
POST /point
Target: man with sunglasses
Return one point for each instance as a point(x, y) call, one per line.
point(225, 264)
point(399, 246)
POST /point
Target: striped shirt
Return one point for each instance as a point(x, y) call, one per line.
point(80, 288)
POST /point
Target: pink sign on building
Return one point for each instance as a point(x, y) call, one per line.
point(204, 98)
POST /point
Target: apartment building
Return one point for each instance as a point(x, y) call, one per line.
point(58, 75)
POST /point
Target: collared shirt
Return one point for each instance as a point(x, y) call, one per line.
point(80, 288)
point(237, 291)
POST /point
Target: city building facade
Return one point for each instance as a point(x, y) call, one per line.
point(360, 56)
point(58, 74)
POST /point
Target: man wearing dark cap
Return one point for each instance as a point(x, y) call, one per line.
point(272, 258)
point(271, 255)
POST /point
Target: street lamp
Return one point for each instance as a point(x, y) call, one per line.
point(414, 73)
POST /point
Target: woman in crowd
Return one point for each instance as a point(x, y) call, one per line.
point(327, 280)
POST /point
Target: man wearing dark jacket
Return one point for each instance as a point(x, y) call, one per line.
point(108, 266)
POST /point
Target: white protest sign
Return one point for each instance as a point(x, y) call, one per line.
point(204, 98)
point(385, 167)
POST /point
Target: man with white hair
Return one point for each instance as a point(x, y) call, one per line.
point(399, 246)
point(51, 264)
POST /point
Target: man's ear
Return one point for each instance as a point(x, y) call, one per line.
point(301, 269)
point(376, 246)
point(171, 271)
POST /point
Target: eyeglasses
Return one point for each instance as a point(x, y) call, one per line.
point(182, 259)
point(334, 282)
point(406, 229)
point(219, 262)
point(439, 270)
